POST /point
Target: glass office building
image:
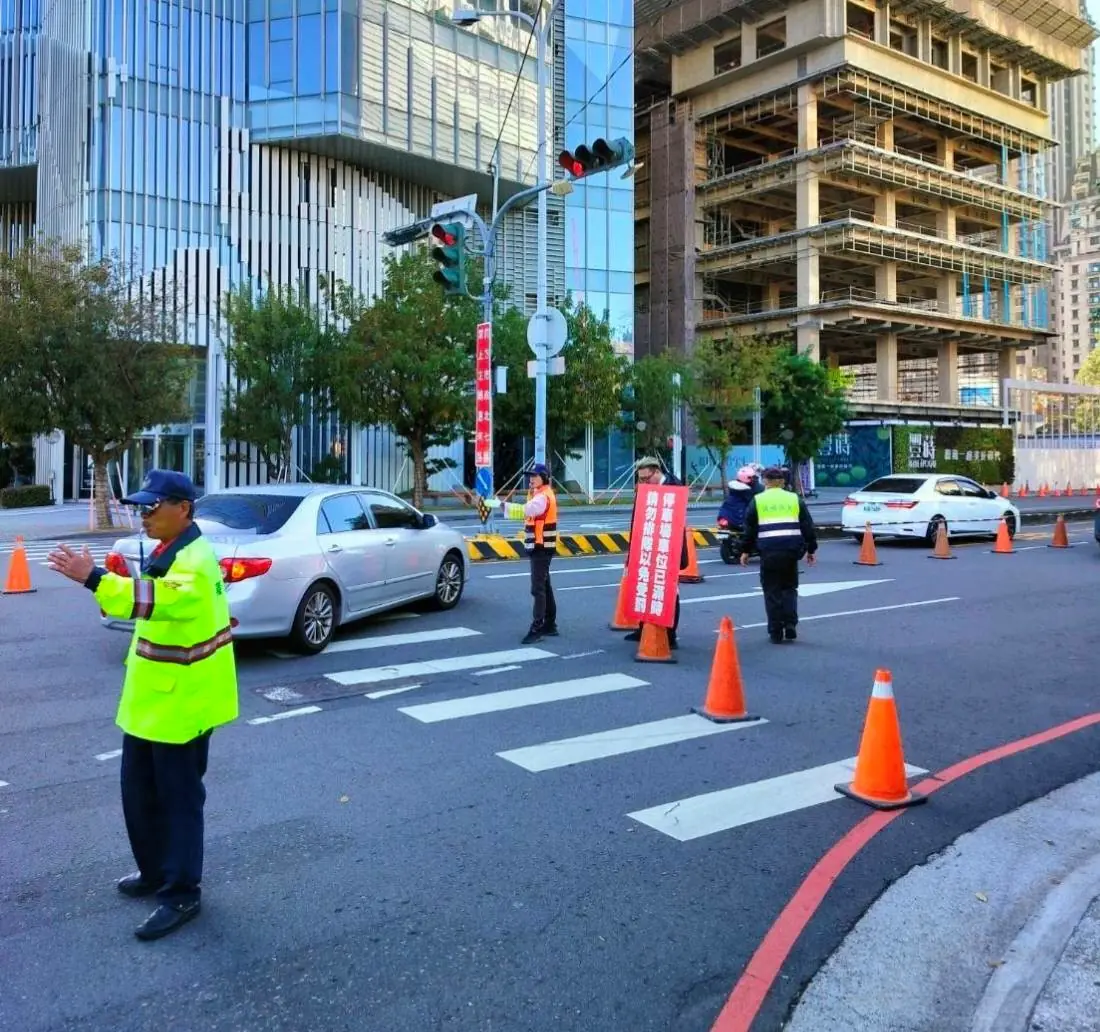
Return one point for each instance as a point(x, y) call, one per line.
point(219, 142)
point(599, 214)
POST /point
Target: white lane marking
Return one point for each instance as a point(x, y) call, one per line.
point(804, 591)
point(286, 714)
point(557, 572)
point(278, 693)
point(615, 584)
point(381, 641)
point(858, 612)
point(497, 670)
point(112, 755)
point(384, 641)
point(383, 692)
point(448, 664)
point(578, 655)
point(711, 812)
point(618, 741)
point(516, 698)
point(4, 784)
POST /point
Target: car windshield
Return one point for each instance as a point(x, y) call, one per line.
point(894, 486)
point(257, 513)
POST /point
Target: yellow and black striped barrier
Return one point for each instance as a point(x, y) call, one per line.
point(495, 547)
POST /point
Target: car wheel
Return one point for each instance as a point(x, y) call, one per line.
point(449, 582)
point(315, 621)
point(1010, 523)
point(934, 525)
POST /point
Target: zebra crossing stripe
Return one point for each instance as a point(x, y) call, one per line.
point(618, 741)
point(516, 698)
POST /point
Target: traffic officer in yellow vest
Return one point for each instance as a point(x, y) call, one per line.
point(540, 519)
point(181, 683)
point(778, 525)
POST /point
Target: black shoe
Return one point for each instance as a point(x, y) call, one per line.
point(776, 639)
point(166, 919)
point(551, 631)
point(790, 634)
point(634, 636)
point(135, 886)
point(531, 637)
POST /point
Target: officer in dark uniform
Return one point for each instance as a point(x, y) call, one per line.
point(779, 526)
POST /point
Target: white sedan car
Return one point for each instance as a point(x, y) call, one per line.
point(913, 505)
point(300, 560)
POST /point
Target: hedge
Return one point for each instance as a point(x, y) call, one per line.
point(25, 496)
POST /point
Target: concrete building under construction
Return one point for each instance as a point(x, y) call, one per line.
point(865, 178)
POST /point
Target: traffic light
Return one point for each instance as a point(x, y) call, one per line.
point(600, 157)
point(450, 252)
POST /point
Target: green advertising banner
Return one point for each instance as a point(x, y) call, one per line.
point(981, 453)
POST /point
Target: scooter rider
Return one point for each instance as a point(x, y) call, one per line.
point(741, 491)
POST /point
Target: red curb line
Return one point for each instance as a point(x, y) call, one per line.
point(744, 1002)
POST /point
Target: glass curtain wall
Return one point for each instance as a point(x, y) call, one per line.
point(599, 214)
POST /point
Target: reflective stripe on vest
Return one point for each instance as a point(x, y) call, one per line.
point(542, 531)
point(778, 512)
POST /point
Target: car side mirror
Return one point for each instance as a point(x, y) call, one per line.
point(427, 520)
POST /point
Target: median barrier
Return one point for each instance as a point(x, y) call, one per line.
point(500, 547)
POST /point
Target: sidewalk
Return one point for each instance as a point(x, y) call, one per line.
point(998, 933)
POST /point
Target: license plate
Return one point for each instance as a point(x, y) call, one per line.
point(871, 507)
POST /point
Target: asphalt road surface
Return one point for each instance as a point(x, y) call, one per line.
point(395, 842)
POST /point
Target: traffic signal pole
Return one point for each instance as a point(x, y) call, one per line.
point(540, 282)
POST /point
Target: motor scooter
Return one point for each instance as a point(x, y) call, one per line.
point(729, 543)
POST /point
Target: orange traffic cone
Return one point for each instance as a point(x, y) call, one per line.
point(19, 572)
point(620, 621)
point(1025, 490)
point(880, 767)
point(868, 556)
point(725, 702)
point(943, 544)
point(1043, 492)
point(653, 647)
point(1004, 490)
point(1057, 492)
point(1069, 489)
point(1061, 537)
point(1004, 542)
point(690, 574)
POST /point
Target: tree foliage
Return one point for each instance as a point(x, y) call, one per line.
point(722, 375)
point(1086, 408)
point(86, 347)
point(408, 360)
point(589, 391)
point(282, 354)
point(806, 404)
point(651, 398)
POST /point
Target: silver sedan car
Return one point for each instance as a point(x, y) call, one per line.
point(300, 560)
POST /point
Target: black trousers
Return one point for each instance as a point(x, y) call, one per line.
point(162, 800)
point(545, 609)
point(779, 580)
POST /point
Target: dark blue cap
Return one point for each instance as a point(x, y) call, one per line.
point(160, 484)
point(539, 470)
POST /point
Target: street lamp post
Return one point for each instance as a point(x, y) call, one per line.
point(540, 27)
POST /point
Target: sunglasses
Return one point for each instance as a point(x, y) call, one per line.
point(148, 510)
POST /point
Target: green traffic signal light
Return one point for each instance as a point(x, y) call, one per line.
point(450, 252)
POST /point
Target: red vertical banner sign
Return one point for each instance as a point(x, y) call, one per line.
point(656, 543)
point(483, 397)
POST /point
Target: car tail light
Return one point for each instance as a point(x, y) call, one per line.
point(850, 503)
point(116, 563)
point(234, 570)
point(901, 505)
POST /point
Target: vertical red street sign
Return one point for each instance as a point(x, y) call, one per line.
point(656, 541)
point(483, 398)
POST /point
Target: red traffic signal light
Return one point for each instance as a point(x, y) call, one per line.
point(570, 164)
point(441, 234)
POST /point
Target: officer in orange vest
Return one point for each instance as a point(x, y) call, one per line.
point(540, 519)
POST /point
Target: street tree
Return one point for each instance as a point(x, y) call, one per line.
point(722, 376)
point(408, 362)
point(282, 354)
point(651, 399)
point(806, 404)
point(88, 348)
point(1086, 408)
